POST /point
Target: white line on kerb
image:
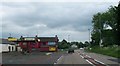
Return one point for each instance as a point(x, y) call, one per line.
point(81, 56)
point(99, 61)
point(90, 63)
point(88, 56)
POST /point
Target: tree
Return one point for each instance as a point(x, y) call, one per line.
point(80, 45)
point(117, 12)
point(86, 43)
point(63, 44)
point(103, 20)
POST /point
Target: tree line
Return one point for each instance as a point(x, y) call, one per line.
point(66, 45)
point(105, 31)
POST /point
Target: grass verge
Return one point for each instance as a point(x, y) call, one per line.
point(110, 51)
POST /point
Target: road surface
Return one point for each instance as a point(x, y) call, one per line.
point(79, 58)
point(82, 57)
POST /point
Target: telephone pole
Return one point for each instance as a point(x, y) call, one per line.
point(68, 38)
point(89, 35)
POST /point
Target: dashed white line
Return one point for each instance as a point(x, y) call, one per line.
point(58, 60)
point(55, 63)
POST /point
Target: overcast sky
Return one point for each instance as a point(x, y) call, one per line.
point(50, 18)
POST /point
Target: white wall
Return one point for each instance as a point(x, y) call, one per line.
point(0, 48)
point(4, 47)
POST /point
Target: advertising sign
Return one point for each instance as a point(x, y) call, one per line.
point(12, 39)
point(52, 48)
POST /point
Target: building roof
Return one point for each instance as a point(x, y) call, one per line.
point(33, 39)
point(5, 41)
point(48, 38)
point(42, 39)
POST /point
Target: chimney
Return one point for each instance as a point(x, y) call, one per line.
point(55, 35)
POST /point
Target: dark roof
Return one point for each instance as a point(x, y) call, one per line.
point(5, 41)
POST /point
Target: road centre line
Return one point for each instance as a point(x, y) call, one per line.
point(58, 59)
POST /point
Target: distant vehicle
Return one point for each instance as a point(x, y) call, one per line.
point(71, 51)
point(81, 48)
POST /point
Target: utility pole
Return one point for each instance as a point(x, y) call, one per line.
point(100, 31)
point(68, 38)
point(89, 35)
point(10, 34)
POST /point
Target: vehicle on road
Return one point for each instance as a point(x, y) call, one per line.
point(70, 50)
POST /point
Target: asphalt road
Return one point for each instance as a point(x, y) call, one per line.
point(82, 57)
point(33, 58)
point(79, 57)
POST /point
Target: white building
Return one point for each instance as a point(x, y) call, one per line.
point(6, 46)
point(74, 46)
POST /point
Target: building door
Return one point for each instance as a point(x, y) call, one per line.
point(9, 48)
point(12, 48)
point(16, 48)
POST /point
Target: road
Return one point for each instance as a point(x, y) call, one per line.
point(82, 57)
point(33, 58)
point(56, 58)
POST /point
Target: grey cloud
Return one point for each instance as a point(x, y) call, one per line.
point(59, 18)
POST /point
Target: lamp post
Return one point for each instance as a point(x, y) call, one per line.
point(100, 26)
point(10, 34)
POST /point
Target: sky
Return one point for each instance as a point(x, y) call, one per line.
point(68, 20)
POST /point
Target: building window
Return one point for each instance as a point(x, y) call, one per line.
point(24, 43)
point(43, 44)
point(51, 43)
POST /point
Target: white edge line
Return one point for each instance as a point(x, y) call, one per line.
point(90, 63)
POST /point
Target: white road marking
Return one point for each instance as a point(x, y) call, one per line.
point(90, 62)
point(55, 63)
point(99, 61)
point(88, 56)
point(81, 56)
point(48, 53)
point(58, 60)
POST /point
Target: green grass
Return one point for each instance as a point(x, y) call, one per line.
point(110, 51)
